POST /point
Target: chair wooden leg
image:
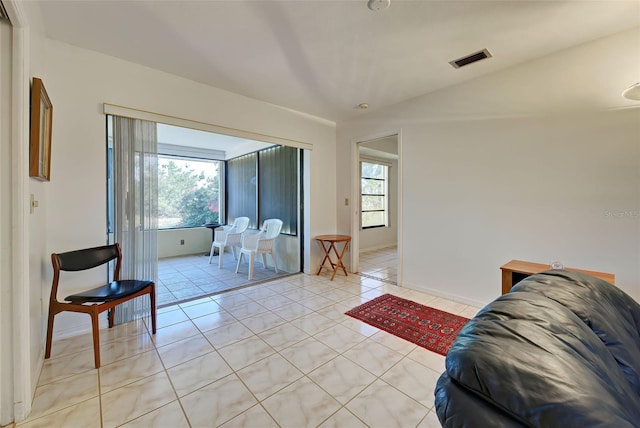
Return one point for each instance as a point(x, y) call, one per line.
point(152, 297)
point(47, 352)
point(111, 315)
point(96, 337)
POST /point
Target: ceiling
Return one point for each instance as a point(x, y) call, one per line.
point(226, 146)
point(324, 57)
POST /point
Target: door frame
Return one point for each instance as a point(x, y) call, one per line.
point(355, 197)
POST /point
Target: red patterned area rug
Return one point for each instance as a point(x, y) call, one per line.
point(428, 327)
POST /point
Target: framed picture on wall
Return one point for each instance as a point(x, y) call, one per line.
point(40, 139)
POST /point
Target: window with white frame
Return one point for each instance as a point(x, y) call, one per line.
point(188, 192)
point(374, 194)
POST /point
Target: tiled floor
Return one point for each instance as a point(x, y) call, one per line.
point(380, 264)
point(188, 277)
point(280, 353)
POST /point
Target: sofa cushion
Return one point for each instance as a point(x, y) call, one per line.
point(611, 314)
point(539, 362)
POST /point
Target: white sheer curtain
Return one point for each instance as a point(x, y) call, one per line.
point(135, 201)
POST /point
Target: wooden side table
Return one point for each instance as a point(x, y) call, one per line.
point(332, 240)
point(517, 270)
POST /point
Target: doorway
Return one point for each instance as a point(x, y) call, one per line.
point(377, 218)
point(195, 168)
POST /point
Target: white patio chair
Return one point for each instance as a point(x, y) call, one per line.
point(228, 236)
point(261, 243)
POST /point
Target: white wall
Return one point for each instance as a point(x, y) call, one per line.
point(196, 241)
point(532, 163)
point(6, 311)
point(79, 81)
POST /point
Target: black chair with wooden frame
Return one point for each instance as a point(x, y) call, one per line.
point(99, 299)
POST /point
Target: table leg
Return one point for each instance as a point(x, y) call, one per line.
point(339, 263)
point(326, 256)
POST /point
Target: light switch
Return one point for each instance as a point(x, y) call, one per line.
point(33, 204)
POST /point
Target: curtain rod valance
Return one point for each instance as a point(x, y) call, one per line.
point(201, 126)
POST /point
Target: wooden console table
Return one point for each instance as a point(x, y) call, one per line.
point(332, 240)
point(517, 270)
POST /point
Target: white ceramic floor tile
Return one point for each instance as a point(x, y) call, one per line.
point(217, 402)
point(247, 310)
point(414, 379)
point(340, 338)
point(447, 305)
point(167, 318)
point(198, 372)
point(316, 302)
point(269, 375)
point(343, 419)
point(84, 414)
point(373, 356)
point(301, 404)
point(342, 378)
point(469, 312)
point(121, 331)
point(169, 415)
point(136, 399)
point(184, 350)
point(228, 334)
point(174, 332)
point(275, 301)
point(129, 370)
point(292, 311)
point(202, 309)
point(255, 417)
point(58, 368)
point(308, 354)
point(430, 421)
point(124, 348)
point(71, 345)
point(283, 336)
point(360, 327)
point(396, 343)
point(262, 322)
point(313, 323)
point(381, 405)
point(72, 390)
point(246, 352)
point(427, 358)
point(215, 320)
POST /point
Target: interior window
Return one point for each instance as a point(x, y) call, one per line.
point(188, 192)
point(374, 197)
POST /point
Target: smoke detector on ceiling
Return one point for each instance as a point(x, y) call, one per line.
point(376, 5)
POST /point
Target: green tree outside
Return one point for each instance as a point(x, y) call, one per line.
point(187, 197)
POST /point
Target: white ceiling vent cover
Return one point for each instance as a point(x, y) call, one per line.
point(470, 59)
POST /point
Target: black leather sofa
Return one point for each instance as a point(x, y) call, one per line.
point(562, 349)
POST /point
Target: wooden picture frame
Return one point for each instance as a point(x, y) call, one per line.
point(40, 139)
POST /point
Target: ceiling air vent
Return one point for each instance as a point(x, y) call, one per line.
point(470, 59)
point(3, 13)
